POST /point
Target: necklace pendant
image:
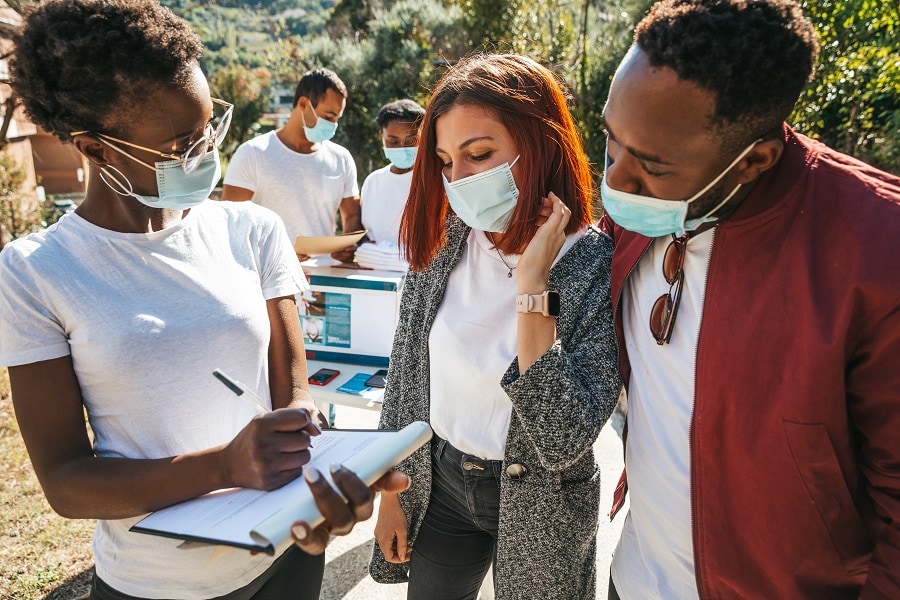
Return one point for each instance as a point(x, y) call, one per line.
point(509, 274)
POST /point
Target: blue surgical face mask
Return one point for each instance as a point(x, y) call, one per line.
point(654, 217)
point(177, 190)
point(402, 158)
point(322, 131)
point(486, 200)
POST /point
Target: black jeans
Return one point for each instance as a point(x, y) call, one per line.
point(295, 575)
point(612, 593)
point(457, 542)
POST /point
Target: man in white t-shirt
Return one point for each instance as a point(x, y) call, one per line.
point(297, 171)
point(385, 190)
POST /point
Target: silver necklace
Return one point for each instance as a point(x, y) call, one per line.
point(509, 269)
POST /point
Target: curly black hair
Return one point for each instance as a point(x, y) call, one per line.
point(88, 65)
point(755, 56)
point(405, 111)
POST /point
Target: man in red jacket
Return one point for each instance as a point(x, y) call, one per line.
point(757, 301)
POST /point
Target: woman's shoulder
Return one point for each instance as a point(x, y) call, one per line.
point(597, 241)
point(52, 243)
point(595, 248)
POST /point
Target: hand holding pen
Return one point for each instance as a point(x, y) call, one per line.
point(283, 435)
point(272, 449)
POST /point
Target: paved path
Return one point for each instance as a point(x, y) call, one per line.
point(347, 558)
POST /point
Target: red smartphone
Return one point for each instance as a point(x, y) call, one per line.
point(323, 376)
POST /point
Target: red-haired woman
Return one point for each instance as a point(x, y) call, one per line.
point(505, 345)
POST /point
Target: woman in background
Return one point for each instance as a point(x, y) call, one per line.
point(505, 345)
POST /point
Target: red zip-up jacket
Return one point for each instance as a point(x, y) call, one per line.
point(795, 435)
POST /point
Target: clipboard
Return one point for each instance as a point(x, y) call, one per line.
point(260, 521)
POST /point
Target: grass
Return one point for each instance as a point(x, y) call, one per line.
point(42, 555)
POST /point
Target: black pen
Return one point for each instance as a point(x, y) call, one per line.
point(241, 390)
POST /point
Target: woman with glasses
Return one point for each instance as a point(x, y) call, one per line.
point(125, 307)
point(505, 345)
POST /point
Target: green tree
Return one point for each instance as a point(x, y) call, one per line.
point(853, 104)
point(19, 214)
point(396, 55)
point(605, 36)
point(248, 90)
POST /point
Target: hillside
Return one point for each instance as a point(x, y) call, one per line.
point(250, 33)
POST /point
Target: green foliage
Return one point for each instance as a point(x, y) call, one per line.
point(489, 23)
point(853, 104)
point(388, 49)
point(393, 57)
point(19, 215)
point(606, 41)
point(248, 90)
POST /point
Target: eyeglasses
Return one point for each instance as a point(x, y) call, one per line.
point(662, 315)
point(213, 136)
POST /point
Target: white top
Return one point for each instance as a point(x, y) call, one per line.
point(655, 555)
point(304, 189)
point(146, 319)
point(383, 199)
point(472, 343)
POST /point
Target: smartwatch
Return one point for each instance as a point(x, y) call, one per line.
point(547, 303)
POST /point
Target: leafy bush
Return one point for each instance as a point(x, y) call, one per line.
point(19, 213)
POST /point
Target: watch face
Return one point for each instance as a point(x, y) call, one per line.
point(553, 303)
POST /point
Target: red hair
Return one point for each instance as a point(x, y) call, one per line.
point(530, 101)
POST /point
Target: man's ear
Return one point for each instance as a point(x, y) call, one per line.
point(92, 148)
point(763, 157)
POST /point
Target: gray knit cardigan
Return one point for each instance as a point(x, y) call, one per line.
point(548, 518)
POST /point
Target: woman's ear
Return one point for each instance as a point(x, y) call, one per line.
point(92, 148)
point(763, 157)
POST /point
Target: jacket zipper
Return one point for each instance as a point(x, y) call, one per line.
point(694, 533)
point(618, 305)
point(616, 506)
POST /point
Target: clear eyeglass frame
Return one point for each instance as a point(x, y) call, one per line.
point(190, 158)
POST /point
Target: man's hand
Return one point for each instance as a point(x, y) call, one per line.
point(345, 255)
point(340, 516)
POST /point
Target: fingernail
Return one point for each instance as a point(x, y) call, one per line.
point(298, 532)
point(335, 467)
point(311, 475)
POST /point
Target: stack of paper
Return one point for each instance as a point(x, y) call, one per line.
point(384, 256)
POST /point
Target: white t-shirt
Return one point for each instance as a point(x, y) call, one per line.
point(146, 319)
point(655, 555)
point(304, 189)
point(384, 195)
point(472, 343)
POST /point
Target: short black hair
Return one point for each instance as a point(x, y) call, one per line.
point(755, 56)
point(405, 111)
point(87, 65)
point(315, 83)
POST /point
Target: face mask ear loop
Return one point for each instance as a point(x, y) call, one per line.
point(723, 173)
point(118, 178)
point(315, 115)
point(129, 155)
